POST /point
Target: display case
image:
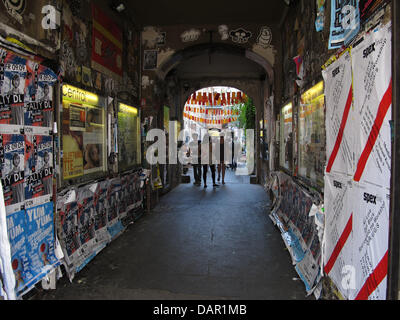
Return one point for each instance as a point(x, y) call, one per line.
point(129, 137)
point(286, 138)
point(83, 138)
point(311, 146)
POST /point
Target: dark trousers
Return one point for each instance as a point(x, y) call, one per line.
point(197, 173)
point(213, 171)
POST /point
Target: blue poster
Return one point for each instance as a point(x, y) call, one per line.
point(40, 240)
point(19, 258)
point(345, 22)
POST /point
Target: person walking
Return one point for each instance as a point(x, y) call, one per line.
point(195, 151)
point(206, 160)
point(221, 163)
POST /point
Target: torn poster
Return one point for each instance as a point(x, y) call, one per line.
point(7, 277)
point(345, 22)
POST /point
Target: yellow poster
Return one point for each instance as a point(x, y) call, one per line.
point(72, 156)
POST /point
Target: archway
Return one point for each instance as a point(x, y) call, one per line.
point(209, 65)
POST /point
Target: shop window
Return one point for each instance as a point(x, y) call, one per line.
point(84, 148)
point(129, 140)
point(312, 136)
point(286, 137)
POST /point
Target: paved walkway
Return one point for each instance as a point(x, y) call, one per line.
point(197, 244)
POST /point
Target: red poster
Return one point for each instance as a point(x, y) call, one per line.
point(106, 44)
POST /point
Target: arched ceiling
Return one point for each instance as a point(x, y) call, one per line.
point(217, 65)
point(175, 12)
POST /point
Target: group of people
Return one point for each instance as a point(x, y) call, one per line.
point(206, 160)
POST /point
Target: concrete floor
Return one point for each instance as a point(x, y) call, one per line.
point(197, 244)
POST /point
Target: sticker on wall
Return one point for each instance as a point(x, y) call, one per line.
point(150, 59)
point(345, 23)
point(265, 37)
point(320, 21)
point(98, 81)
point(223, 31)
point(150, 37)
point(240, 35)
point(190, 35)
point(86, 76)
point(161, 39)
point(15, 8)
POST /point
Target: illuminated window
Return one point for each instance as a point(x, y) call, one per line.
point(286, 137)
point(129, 148)
point(312, 135)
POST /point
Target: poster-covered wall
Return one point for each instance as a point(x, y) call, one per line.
point(357, 182)
point(90, 217)
point(26, 158)
point(300, 219)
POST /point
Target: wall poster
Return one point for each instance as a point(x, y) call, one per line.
point(129, 139)
point(83, 134)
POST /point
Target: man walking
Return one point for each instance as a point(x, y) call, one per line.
point(195, 151)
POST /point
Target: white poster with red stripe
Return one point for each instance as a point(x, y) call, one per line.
point(340, 116)
point(373, 101)
point(370, 241)
point(338, 238)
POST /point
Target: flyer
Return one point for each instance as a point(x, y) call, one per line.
point(345, 22)
point(12, 152)
point(371, 239)
point(40, 241)
point(13, 74)
point(100, 203)
point(39, 167)
point(19, 255)
point(340, 116)
point(372, 71)
point(338, 239)
point(39, 106)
